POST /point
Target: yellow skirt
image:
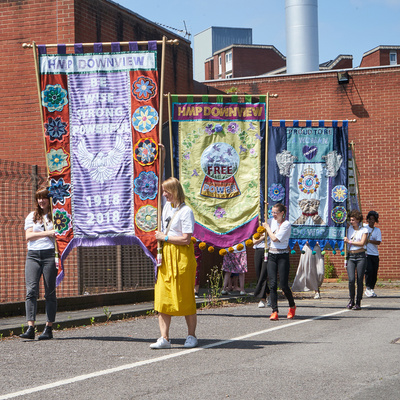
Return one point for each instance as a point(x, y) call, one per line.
point(174, 290)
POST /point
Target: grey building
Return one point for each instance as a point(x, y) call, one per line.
point(213, 39)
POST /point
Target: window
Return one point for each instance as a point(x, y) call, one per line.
point(393, 57)
point(228, 76)
point(228, 61)
point(219, 65)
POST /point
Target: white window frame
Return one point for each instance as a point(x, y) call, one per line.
point(393, 58)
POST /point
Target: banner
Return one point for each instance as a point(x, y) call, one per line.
point(218, 150)
point(101, 131)
point(307, 171)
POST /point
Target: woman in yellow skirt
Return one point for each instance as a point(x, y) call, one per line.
point(174, 289)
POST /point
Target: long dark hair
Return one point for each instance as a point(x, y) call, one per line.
point(41, 193)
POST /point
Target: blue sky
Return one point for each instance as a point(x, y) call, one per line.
point(345, 26)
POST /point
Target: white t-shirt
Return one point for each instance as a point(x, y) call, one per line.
point(282, 232)
point(183, 221)
point(356, 236)
point(44, 243)
point(261, 244)
point(374, 234)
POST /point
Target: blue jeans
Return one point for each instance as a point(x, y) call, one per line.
point(357, 262)
point(38, 263)
point(279, 264)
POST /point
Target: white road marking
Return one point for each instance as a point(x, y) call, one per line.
point(158, 359)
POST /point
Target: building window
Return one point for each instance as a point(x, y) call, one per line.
point(393, 58)
point(228, 76)
point(219, 65)
point(228, 61)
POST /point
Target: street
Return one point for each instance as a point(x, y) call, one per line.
point(326, 352)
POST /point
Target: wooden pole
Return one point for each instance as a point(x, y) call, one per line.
point(39, 89)
point(160, 121)
point(171, 42)
point(266, 158)
point(170, 134)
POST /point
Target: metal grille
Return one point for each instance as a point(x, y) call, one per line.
point(93, 270)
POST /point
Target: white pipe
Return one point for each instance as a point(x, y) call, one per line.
point(302, 53)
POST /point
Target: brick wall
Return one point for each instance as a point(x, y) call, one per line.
point(255, 61)
point(372, 99)
point(52, 22)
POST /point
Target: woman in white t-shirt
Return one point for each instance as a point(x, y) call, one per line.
point(356, 240)
point(374, 239)
point(40, 260)
point(174, 289)
point(278, 229)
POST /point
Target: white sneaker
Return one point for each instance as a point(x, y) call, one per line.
point(161, 343)
point(368, 292)
point(224, 292)
point(261, 304)
point(190, 342)
point(317, 296)
point(242, 293)
point(373, 293)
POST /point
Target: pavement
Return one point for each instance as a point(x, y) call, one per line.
point(15, 325)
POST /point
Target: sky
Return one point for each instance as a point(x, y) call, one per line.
point(350, 27)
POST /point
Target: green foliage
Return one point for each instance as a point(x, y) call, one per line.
point(107, 313)
point(214, 283)
point(329, 268)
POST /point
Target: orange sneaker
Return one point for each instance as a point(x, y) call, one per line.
point(291, 313)
point(274, 316)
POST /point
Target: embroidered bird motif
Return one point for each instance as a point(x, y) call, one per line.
point(101, 165)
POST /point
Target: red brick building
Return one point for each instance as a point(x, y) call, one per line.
point(236, 61)
point(371, 97)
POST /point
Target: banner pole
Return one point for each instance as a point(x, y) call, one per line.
point(266, 158)
point(160, 174)
point(170, 134)
point(37, 73)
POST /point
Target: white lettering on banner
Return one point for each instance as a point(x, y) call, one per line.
point(102, 62)
point(90, 129)
point(100, 112)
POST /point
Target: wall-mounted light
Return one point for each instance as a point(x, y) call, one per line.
point(343, 78)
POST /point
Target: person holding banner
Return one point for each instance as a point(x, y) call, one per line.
point(260, 262)
point(374, 239)
point(356, 240)
point(40, 260)
point(174, 289)
point(278, 229)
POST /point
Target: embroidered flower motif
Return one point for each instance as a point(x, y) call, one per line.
point(146, 218)
point(146, 185)
point(57, 160)
point(253, 152)
point(186, 156)
point(219, 212)
point(144, 88)
point(62, 221)
point(195, 173)
point(55, 128)
point(276, 192)
point(54, 97)
point(59, 191)
point(339, 215)
point(144, 119)
point(242, 149)
point(211, 128)
point(339, 193)
point(145, 151)
point(233, 127)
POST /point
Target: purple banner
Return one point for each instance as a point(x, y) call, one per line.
point(101, 148)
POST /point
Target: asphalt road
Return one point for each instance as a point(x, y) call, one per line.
point(326, 352)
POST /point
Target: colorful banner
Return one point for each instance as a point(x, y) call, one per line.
point(307, 171)
point(101, 129)
point(218, 150)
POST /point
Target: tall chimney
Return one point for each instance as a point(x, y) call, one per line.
point(301, 36)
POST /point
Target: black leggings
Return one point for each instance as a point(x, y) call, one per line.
point(262, 288)
point(279, 264)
